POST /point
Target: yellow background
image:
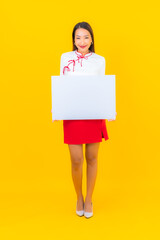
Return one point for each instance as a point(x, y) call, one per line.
point(37, 197)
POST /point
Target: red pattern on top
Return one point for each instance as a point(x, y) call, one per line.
point(79, 56)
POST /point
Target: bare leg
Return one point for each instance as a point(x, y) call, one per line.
point(76, 153)
point(91, 158)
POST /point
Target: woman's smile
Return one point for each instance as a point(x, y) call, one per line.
point(83, 46)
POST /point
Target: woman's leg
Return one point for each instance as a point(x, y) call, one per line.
point(76, 153)
point(91, 154)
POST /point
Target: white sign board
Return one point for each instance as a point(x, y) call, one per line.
point(83, 97)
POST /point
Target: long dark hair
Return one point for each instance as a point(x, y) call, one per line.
point(86, 26)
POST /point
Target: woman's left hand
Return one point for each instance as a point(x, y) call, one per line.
point(112, 119)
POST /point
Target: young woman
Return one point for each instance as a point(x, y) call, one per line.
point(83, 61)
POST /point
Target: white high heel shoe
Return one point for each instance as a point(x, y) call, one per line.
point(81, 212)
point(89, 214)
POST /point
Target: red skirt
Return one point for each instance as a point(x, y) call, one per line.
point(84, 131)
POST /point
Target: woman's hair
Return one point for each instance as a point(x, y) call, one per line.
point(86, 26)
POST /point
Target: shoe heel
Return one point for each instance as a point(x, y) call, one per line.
point(81, 212)
point(89, 214)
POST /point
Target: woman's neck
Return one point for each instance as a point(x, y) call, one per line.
point(83, 53)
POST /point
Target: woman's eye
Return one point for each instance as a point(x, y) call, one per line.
point(85, 38)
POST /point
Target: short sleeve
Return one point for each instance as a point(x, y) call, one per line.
point(102, 67)
point(61, 64)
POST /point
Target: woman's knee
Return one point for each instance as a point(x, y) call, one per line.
point(91, 160)
point(91, 153)
point(77, 162)
point(76, 152)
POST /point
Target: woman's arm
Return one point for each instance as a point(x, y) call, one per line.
point(62, 64)
point(102, 67)
point(61, 72)
point(102, 72)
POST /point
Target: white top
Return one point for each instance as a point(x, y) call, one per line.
point(74, 63)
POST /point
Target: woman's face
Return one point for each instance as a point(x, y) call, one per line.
point(82, 40)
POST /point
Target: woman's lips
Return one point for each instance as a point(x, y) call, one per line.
point(83, 46)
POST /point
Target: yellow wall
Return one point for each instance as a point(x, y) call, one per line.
point(34, 160)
